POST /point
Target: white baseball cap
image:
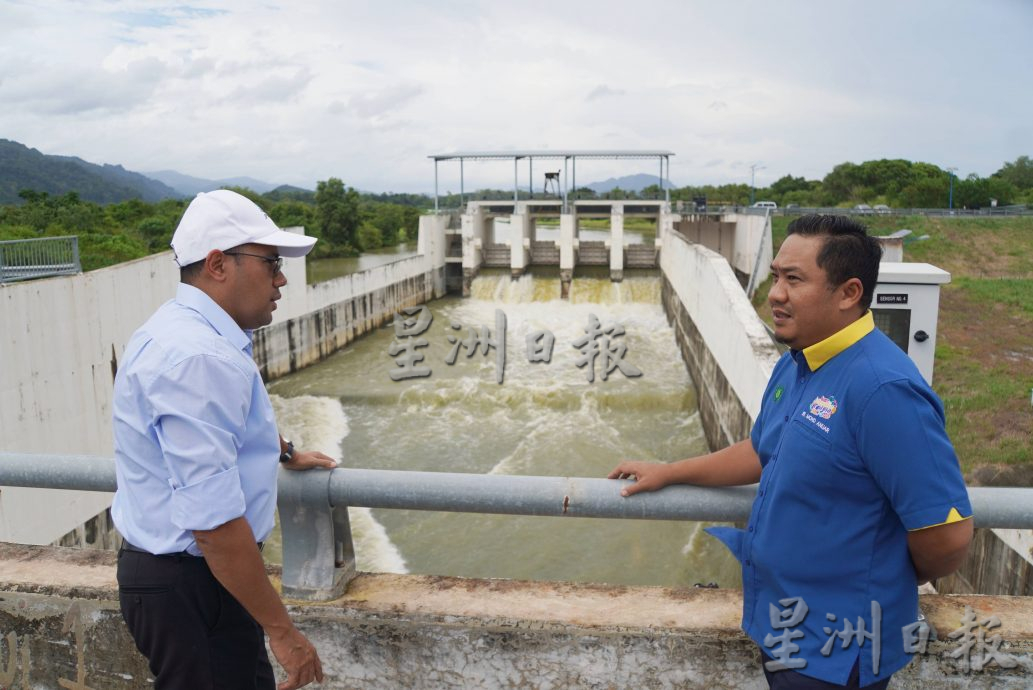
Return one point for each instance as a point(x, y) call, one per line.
point(222, 220)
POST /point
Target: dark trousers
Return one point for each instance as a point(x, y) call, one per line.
point(791, 680)
point(194, 634)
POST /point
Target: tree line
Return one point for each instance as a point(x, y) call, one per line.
point(349, 222)
point(346, 221)
point(897, 183)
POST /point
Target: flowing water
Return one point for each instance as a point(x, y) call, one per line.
point(544, 419)
point(319, 270)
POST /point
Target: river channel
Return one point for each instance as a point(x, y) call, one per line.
point(544, 419)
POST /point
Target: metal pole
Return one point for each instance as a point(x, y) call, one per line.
point(515, 159)
point(565, 188)
point(573, 171)
point(462, 191)
point(993, 507)
point(522, 495)
point(435, 185)
point(530, 176)
point(667, 191)
point(661, 174)
point(73, 472)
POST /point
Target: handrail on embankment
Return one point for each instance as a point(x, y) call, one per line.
point(318, 559)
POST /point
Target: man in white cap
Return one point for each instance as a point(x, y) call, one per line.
point(196, 450)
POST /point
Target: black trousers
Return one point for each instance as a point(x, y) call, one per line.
point(194, 634)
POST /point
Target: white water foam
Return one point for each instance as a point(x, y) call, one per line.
point(320, 423)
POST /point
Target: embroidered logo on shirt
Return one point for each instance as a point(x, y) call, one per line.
point(824, 406)
point(778, 393)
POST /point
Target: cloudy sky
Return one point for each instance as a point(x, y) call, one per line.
point(301, 91)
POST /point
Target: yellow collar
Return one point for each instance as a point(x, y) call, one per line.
point(819, 353)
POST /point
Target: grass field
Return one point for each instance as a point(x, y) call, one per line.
point(984, 351)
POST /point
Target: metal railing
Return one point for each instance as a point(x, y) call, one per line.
point(955, 213)
point(318, 557)
point(39, 258)
point(718, 209)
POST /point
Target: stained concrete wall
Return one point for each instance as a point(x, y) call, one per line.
point(280, 349)
point(723, 341)
point(1000, 561)
point(59, 621)
point(743, 239)
point(65, 337)
point(752, 249)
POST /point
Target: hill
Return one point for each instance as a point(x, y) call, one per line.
point(190, 186)
point(22, 167)
point(629, 183)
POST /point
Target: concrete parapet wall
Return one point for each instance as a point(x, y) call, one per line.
point(752, 249)
point(285, 347)
point(58, 362)
point(59, 350)
point(723, 341)
point(59, 619)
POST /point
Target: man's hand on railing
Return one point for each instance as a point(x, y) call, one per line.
point(649, 476)
point(307, 459)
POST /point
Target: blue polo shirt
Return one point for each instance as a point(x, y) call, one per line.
point(196, 443)
point(854, 454)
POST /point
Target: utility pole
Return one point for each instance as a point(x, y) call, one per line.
point(950, 198)
point(753, 172)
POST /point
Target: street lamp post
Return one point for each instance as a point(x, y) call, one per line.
point(753, 172)
point(950, 197)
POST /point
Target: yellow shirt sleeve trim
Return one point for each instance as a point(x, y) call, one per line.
point(952, 516)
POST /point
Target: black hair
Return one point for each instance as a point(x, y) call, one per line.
point(848, 252)
point(188, 274)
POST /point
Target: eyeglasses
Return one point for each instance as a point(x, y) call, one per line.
point(275, 262)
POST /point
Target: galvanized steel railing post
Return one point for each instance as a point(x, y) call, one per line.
point(318, 555)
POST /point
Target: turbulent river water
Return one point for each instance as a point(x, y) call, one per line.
point(544, 419)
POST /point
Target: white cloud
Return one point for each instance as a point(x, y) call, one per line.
point(299, 92)
point(603, 91)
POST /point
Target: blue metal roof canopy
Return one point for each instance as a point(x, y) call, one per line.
point(570, 156)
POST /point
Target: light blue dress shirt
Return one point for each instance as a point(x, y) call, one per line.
point(196, 443)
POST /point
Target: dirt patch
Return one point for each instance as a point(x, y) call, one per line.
point(1001, 475)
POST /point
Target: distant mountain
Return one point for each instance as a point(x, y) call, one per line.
point(629, 183)
point(190, 186)
point(286, 192)
point(25, 168)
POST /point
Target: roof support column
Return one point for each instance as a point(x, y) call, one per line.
point(565, 159)
point(667, 188)
point(661, 173)
point(573, 167)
